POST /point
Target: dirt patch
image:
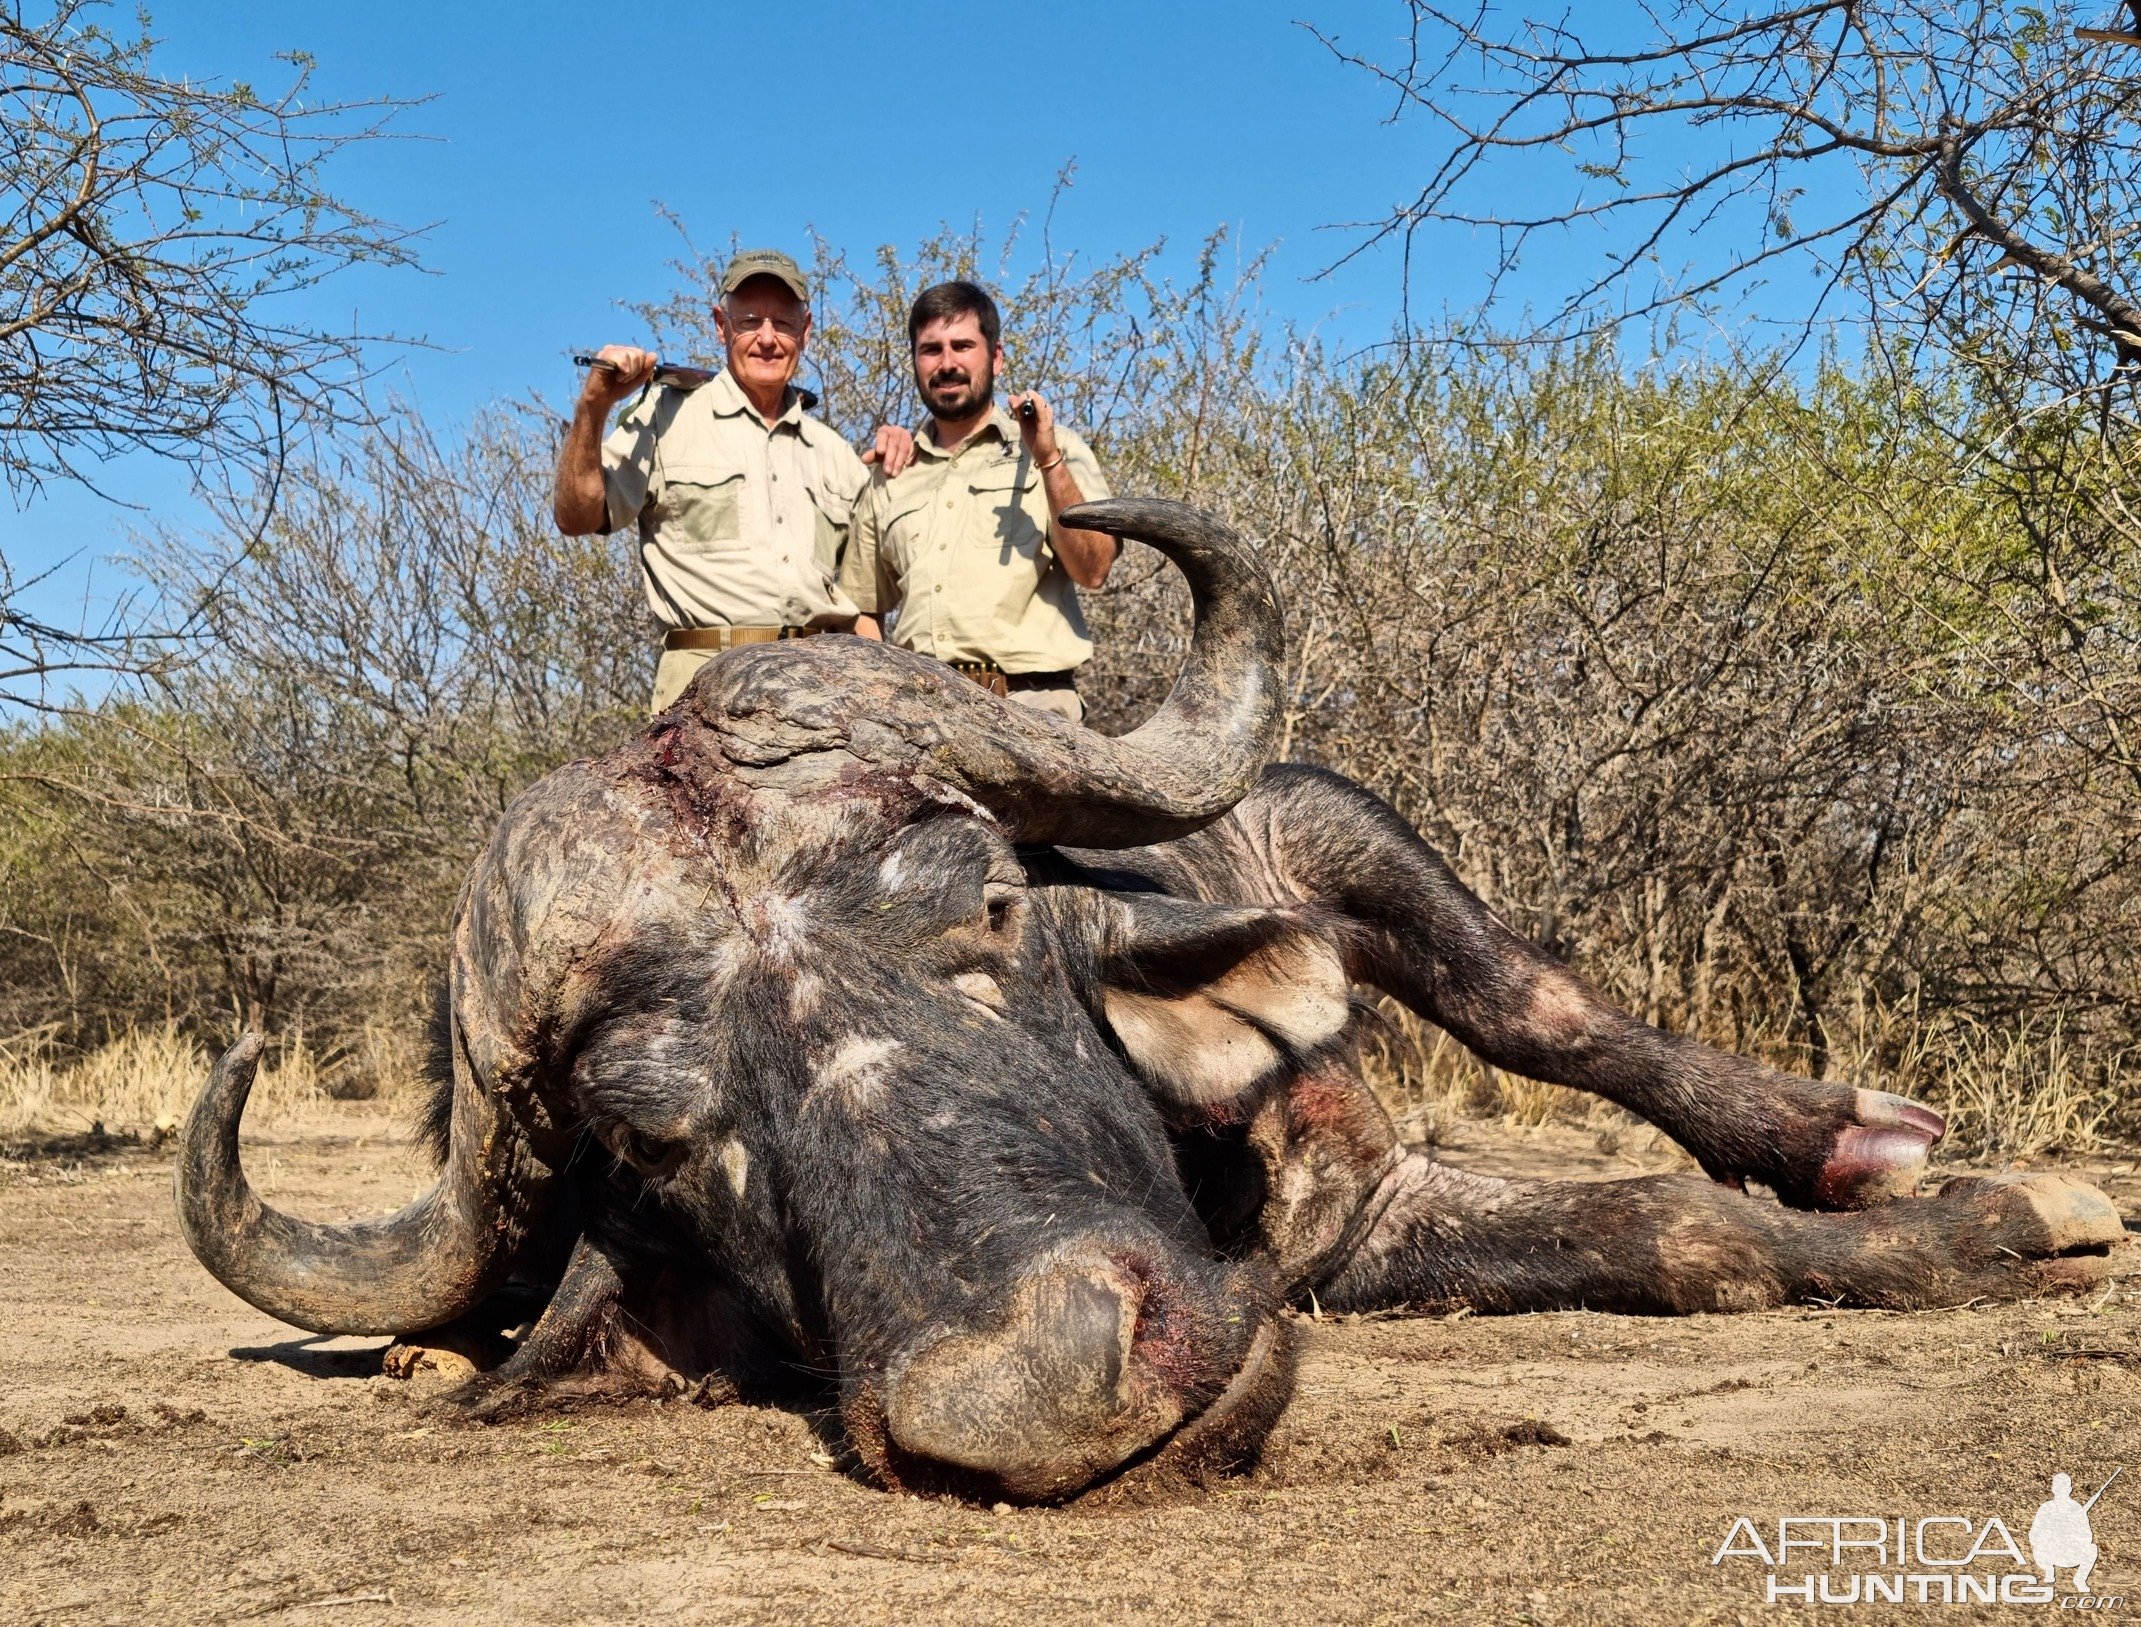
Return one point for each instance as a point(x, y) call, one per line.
point(168, 1454)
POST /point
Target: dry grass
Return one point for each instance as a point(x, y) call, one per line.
point(146, 1078)
point(2008, 1092)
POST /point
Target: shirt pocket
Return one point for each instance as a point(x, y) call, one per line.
point(906, 523)
point(1004, 496)
point(702, 504)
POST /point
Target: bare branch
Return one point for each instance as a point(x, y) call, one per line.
point(1692, 146)
point(152, 229)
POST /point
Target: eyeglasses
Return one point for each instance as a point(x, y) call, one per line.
point(742, 324)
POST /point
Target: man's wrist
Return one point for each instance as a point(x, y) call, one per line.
point(1042, 467)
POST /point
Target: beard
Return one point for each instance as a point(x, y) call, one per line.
point(957, 392)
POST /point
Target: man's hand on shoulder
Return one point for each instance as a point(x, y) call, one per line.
point(619, 371)
point(892, 451)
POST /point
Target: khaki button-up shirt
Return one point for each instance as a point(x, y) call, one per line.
point(740, 521)
point(958, 544)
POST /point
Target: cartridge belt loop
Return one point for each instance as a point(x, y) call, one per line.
point(727, 638)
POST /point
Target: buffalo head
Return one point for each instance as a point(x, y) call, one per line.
point(787, 1018)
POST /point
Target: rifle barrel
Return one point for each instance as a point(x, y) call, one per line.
point(2106, 1486)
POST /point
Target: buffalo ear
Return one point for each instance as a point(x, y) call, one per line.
point(1208, 1001)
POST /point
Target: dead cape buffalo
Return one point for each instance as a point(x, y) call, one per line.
point(852, 1023)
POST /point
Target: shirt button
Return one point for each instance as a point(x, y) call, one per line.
point(947, 502)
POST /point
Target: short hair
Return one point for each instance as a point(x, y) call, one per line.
point(949, 299)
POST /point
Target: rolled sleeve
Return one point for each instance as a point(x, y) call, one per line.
point(628, 472)
point(1084, 467)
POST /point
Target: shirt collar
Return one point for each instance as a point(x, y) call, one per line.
point(998, 421)
point(729, 400)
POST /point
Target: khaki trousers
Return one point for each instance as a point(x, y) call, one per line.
point(678, 668)
point(1063, 700)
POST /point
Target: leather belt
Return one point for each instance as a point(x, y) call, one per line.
point(996, 681)
point(727, 638)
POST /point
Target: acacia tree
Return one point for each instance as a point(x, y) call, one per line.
point(1962, 180)
point(152, 230)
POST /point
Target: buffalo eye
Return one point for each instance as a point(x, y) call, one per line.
point(1000, 908)
point(651, 1156)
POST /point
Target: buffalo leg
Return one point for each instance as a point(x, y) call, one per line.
point(1412, 929)
point(565, 1352)
point(1438, 1237)
point(609, 1331)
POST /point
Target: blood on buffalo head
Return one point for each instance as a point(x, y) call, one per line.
point(842, 1068)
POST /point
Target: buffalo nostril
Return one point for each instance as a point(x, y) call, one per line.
point(1044, 1401)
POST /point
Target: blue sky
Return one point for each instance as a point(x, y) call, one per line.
point(554, 130)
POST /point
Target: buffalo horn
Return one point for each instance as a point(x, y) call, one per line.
point(423, 1266)
point(1191, 760)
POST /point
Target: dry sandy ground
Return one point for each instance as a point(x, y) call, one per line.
point(171, 1455)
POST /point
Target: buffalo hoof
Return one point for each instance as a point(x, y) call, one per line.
point(1983, 1237)
point(1840, 1147)
point(1879, 1156)
point(458, 1351)
point(405, 1358)
point(2051, 1234)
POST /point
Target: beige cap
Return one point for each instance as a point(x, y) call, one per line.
point(764, 263)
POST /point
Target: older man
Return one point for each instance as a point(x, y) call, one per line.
point(740, 501)
point(965, 546)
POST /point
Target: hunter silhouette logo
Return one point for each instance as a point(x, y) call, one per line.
point(2060, 1537)
point(1928, 1559)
